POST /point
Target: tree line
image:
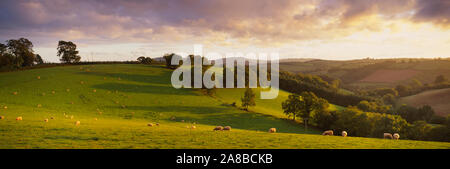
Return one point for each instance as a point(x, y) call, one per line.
point(19, 53)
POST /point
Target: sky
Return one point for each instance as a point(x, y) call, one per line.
point(106, 30)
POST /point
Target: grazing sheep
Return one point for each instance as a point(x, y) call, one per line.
point(150, 124)
point(272, 130)
point(157, 124)
point(218, 128)
point(328, 133)
point(77, 123)
point(2, 117)
point(19, 118)
point(344, 134)
point(46, 120)
point(396, 136)
point(387, 135)
point(227, 128)
point(193, 127)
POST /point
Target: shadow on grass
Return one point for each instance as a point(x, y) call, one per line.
point(135, 88)
point(163, 78)
point(224, 116)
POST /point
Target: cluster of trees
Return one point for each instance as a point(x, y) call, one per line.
point(364, 123)
point(303, 105)
point(412, 114)
point(298, 83)
point(145, 60)
point(18, 53)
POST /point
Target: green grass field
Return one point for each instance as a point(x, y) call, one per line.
point(114, 104)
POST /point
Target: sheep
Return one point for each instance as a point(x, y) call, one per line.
point(157, 124)
point(344, 134)
point(77, 123)
point(218, 128)
point(2, 117)
point(387, 135)
point(272, 130)
point(5, 107)
point(193, 127)
point(46, 120)
point(19, 118)
point(150, 124)
point(328, 133)
point(173, 118)
point(396, 136)
point(227, 128)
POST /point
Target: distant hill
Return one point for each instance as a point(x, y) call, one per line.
point(374, 73)
point(437, 99)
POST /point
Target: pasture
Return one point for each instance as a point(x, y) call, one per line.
point(114, 103)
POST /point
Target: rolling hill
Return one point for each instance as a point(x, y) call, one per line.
point(438, 99)
point(114, 103)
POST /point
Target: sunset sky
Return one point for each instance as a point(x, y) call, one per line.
point(324, 29)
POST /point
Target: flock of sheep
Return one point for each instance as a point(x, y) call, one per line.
point(395, 136)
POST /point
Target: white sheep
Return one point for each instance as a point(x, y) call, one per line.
point(272, 130)
point(344, 134)
point(396, 136)
point(387, 135)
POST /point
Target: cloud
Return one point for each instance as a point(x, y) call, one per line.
point(255, 22)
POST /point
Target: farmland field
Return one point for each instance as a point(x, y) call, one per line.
point(438, 99)
point(114, 103)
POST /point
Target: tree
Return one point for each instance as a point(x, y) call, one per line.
point(440, 79)
point(168, 58)
point(304, 105)
point(39, 59)
point(67, 51)
point(248, 99)
point(389, 99)
point(403, 90)
point(22, 49)
point(291, 106)
point(426, 113)
point(141, 59)
point(145, 60)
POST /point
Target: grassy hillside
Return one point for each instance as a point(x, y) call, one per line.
point(438, 99)
point(114, 104)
